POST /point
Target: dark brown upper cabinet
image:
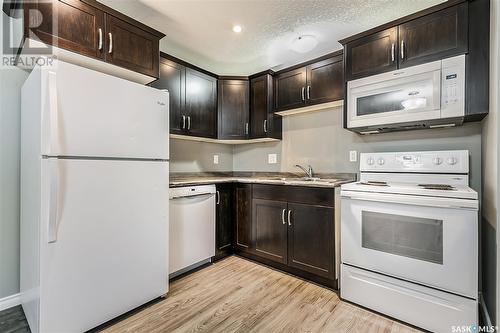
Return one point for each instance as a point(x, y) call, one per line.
point(201, 104)
point(325, 81)
point(89, 28)
point(290, 89)
point(131, 47)
point(373, 54)
point(429, 35)
point(233, 109)
point(320, 81)
point(433, 36)
point(193, 98)
point(173, 79)
point(263, 122)
point(68, 24)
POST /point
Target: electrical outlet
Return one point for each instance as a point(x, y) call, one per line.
point(353, 156)
point(272, 158)
point(216, 159)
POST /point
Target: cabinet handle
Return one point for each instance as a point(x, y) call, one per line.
point(289, 220)
point(402, 49)
point(110, 43)
point(393, 47)
point(189, 122)
point(308, 92)
point(217, 194)
point(246, 128)
point(303, 94)
point(100, 39)
point(265, 125)
point(183, 122)
point(283, 216)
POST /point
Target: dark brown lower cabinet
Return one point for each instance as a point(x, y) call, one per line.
point(224, 221)
point(311, 239)
point(243, 219)
point(268, 219)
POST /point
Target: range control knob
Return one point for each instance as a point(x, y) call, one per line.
point(451, 160)
point(370, 161)
point(380, 161)
point(438, 161)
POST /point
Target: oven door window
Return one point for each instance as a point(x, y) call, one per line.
point(411, 237)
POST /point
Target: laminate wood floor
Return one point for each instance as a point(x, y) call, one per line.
point(237, 295)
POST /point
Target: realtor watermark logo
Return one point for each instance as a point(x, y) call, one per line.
point(473, 329)
point(26, 24)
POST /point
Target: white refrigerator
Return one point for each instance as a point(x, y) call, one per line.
point(94, 197)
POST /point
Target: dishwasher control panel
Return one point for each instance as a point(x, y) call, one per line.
point(189, 191)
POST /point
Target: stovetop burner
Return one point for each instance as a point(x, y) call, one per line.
point(443, 187)
point(373, 183)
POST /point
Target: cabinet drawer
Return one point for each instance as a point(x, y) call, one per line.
point(297, 194)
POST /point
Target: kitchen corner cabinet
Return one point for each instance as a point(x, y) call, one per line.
point(243, 235)
point(318, 82)
point(431, 37)
point(233, 108)
point(264, 123)
point(192, 99)
point(224, 221)
point(91, 29)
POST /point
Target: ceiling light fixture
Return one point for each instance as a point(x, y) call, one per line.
point(304, 43)
point(237, 28)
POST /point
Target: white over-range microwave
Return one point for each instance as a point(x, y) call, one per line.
point(428, 95)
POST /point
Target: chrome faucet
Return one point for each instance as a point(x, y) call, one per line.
point(309, 171)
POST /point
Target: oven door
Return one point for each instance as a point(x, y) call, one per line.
point(430, 241)
point(402, 96)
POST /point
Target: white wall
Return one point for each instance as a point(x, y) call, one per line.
point(490, 154)
point(10, 83)
point(318, 139)
point(192, 156)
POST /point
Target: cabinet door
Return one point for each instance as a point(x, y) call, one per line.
point(433, 37)
point(290, 89)
point(268, 219)
point(173, 78)
point(325, 81)
point(201, 105)
point(77, 25)
point(311, 239)
point(243, 209)
point(224, 220)
point(372, 54)
point(260, 106)
point(131, 47)
point(233, 109)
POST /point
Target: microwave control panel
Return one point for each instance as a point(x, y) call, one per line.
point(453, 87)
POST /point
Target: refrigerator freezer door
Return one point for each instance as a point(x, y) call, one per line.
point(91, 114)
point(107, 249)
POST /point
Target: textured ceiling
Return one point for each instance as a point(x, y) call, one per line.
point(200, 31)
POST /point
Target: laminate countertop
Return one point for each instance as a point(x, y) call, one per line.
point(328, 180)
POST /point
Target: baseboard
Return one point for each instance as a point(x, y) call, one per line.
point(10, 301)
point(484, 310)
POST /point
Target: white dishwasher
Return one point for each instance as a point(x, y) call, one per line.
point(192, 227)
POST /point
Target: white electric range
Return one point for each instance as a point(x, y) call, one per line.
point(409, 238)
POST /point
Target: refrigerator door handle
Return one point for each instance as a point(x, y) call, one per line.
point(53, 115)
point(53, 200)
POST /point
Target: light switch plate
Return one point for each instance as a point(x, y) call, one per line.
point(272, 158)
point(216, 159)
point(353, 156)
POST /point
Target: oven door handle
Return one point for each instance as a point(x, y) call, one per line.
point(415, 200)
